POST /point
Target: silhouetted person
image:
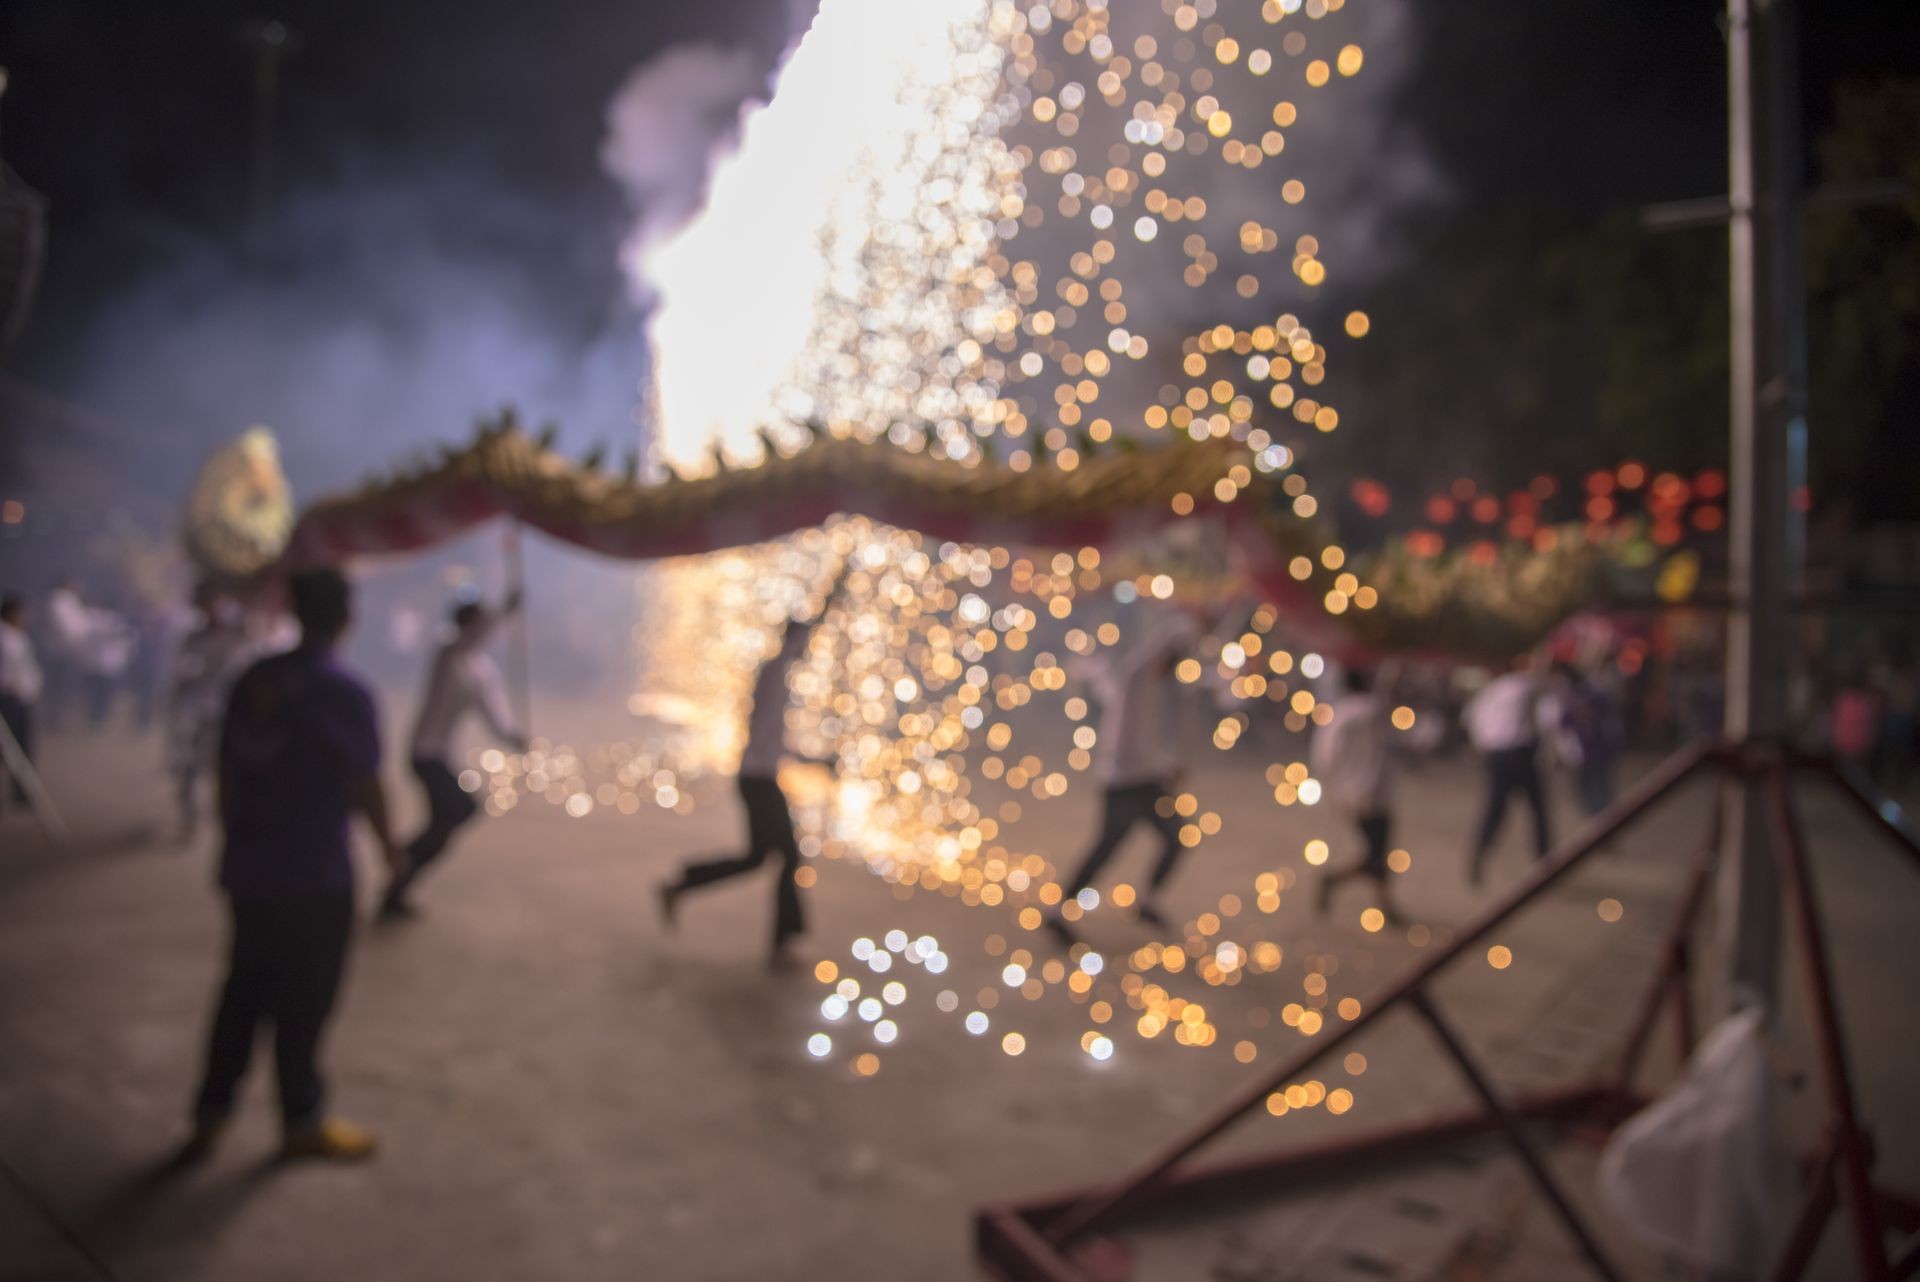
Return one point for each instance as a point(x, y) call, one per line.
point(1854, 720)
point(1351, 760)
point(299, 755)
point(769, 822)
point(20, 683)
point(205, 664)
point(463, 679)
point(1502, 721)
point(1139, 755)
point(104, 660)
point(68, 624)
point(1591, 736)
point(1900, 733)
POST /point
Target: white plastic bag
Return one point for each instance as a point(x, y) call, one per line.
point(1701, 1172)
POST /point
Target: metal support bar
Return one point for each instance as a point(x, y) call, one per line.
point(1529, 1155)
point(22, 773)
point(1908, 1261)
point(1815, 1209)
point(1673, 977)
point(1298, 1164)
point(1030, 1242)
point(1870, 803)
point(1604, 827)
point(1898, 1212)
point(1849, 1143)
point(519, 646)
point(1316, 1160)
point(1020, 1251)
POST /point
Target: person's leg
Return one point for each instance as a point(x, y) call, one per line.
point(1376, 830)
point(770, 830)
point(18, 717)
point(704, 872)
point(243, 1004)
point(448, 807)
point(1595, 780)
point(186, 802)
point(1499, 784)
point(1533, 787)
point(57, 695)
point(1117, 815)
point(1148, 806)
point(1372, 863)
point(198, 760)
point(310, 956)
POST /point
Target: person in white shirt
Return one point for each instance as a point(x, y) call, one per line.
point(1140, 766)
point(1503, 724)
point(1350, 757)
point(69, 623)
point(463, 679)
point(104, 659)
point(20, 682)
point(769, 822)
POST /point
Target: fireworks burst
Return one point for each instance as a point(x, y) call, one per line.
point(977, 227)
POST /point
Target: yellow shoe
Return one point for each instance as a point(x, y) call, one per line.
point(334, 1139)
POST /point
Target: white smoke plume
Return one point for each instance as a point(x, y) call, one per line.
point(675, 115)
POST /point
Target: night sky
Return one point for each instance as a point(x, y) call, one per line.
point(133, 119)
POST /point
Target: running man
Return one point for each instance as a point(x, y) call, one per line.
point(463, 679)
point(1139, 745)
point(769, 822)
point(1350, 758)
point(1503, 724)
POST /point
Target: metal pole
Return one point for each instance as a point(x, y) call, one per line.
point(20, 770)
point(1853, 1162)
point(271, 42)
point(1763, 186)
point(1516, 1132)
point(520, 650)
point(1784, 392)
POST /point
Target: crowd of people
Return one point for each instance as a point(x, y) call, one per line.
point(259, 702)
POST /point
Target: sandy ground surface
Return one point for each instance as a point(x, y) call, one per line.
point(566, 1091)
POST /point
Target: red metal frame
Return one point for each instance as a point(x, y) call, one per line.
point(1054, 1239)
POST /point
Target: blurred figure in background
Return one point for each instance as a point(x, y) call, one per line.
point(106, 652)
point(769, 822)
point(1502, 722)
point(1591, 736)
point(20, 684)
point(463, 679)
point(1139, 747)
point(1350, 757)
point(1699, 696)
point(205, 664)
point(299, 755)
point(1900, 735)
point(157, 630)
point(1853, 721)
point(67, 626)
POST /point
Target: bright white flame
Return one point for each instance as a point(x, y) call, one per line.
point(741, 284)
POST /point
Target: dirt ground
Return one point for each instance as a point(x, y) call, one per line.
point(563, 1090)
